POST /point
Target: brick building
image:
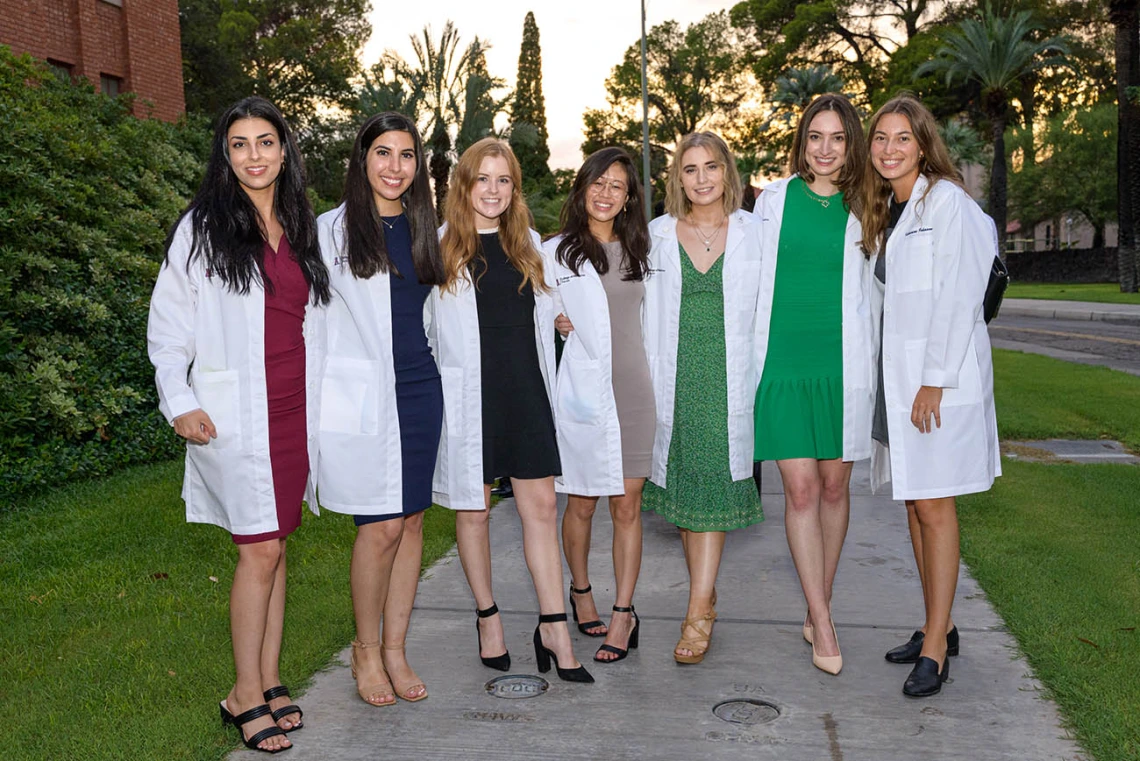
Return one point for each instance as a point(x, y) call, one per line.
point(118, 45)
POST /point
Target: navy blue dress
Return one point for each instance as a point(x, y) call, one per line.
point(419, 393)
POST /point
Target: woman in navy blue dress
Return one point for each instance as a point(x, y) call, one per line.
point(382, 402)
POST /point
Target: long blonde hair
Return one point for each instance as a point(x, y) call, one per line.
point(676, 202)
point(460, 245)
point(934, 165)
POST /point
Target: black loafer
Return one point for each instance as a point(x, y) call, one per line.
point(924, 679)
point(909, 652)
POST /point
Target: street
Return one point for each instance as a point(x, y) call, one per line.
point(1090, 342)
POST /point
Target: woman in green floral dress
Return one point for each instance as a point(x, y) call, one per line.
point(700, 303)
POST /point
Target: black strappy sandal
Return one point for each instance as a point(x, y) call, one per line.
point(631, 645)
point(584, 627)
point(242, 719)
point(281, 691)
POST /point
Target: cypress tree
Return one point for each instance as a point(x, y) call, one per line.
point(529, 138)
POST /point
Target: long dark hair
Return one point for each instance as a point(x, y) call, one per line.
point(579, 245)
point(226, 227)
point(855, 146)
point(363, 233)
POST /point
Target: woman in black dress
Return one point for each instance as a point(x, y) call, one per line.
point(382, 402)
point(492, 259)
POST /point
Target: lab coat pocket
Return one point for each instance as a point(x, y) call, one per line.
point(581, 391)
point(349, 396)
point(913, 268)
point(219, 395)
point(969, 390)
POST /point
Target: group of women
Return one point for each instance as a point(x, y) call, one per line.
point(387, 365)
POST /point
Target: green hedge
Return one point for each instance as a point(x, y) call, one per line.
point(87, 193)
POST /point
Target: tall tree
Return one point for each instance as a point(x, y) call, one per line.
point(854, 37)
point(1125, 17)
point(996, 53)
point(529, 138)
point(300, 54)
point(698, 79)
point(480, 106)
point(798, 87)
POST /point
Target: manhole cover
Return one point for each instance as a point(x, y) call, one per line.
point(747, 712)
point(516, 687)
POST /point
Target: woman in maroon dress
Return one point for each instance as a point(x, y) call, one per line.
point(236, 341)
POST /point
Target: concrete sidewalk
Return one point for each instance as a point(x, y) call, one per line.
point(1070, 310)
point(648, 707)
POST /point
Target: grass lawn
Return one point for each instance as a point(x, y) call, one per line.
point(1042, 398)
point(115, 635)
point(1108, 293)
point(1057, 547)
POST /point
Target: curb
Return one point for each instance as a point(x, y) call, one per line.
point(1079, 311)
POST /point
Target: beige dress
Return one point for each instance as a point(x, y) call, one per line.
point(633, 390)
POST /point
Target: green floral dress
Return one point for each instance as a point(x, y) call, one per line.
point(701, 495)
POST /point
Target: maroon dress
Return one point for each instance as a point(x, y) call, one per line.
point(285, 388)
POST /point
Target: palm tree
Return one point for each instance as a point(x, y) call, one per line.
point(391, 85)
point(1125, 17)
point(799, 87)
point(996, 53)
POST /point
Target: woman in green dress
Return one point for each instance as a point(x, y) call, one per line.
point(700, 308)
point(813, 407)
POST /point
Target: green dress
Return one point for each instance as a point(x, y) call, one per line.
point(799, 404)
point(701, 495)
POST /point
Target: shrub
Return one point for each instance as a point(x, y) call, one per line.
point(87, 194)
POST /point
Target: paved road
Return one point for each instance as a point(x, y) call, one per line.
point(1090, 342)
point(647, 707)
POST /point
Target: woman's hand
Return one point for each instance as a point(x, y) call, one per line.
point(927, 402)
point(563, 325)
point(195, 427)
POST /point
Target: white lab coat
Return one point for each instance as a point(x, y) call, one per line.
point(741, 274)
point(858, 379)
point(938, 263)
point(589, 435)
point(454, 338)
point(207, 344)
point(361, 466)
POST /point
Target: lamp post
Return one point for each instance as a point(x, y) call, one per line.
point(645, 121)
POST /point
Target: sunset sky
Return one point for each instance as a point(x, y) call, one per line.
point(582, 41)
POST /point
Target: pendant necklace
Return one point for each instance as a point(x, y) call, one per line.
point(823, 201)
point(707, 239)
point(389, 225)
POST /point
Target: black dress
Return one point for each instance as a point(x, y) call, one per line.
point(518, 426)
point(419, 393)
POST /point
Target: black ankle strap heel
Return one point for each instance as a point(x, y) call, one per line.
point(584, 626)
point(631, 645)
point(498, 662)
point(543, 655)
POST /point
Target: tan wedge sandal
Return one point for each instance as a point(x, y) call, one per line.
point(698, 645)
point(381, 687)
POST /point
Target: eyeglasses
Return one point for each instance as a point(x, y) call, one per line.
point(615, 187)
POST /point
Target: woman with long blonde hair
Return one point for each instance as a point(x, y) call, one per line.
point(934, 425)
point(494, 342)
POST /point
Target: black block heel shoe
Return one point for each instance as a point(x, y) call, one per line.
point(500, 662)
point(259, 737)
point(586, 626)
point(543, 655)
point(631, 645)
point(924, 679)
point(909, 652)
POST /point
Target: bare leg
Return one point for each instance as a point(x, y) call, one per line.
point(373, 555)
point(802, 490)
point(250, 596)
point(398, 607)
point(834, 515)
point(916, 544)
point(577, 523)
point(703, 553)
point(271, 647)
point(473, 538)
point(538, 509)
point(938, 519)
point(625, 510)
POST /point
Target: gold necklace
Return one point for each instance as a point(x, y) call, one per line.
point(707, 239)
point(824, 201)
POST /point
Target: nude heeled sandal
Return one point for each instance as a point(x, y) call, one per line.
point(382, 687)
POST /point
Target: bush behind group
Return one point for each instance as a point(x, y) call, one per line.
point(87, 193)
